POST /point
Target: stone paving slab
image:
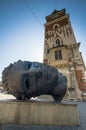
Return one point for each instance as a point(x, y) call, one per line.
point(17, 127)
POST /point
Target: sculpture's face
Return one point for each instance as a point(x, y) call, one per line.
point(30, 79)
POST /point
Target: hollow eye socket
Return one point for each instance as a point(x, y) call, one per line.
point(28, 66)
point(26, 83)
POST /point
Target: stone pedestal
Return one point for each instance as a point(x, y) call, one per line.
point(38, 113)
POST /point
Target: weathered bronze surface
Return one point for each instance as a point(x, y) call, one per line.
point(25, 79)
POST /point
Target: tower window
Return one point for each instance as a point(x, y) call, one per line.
point(58, 55)
point(57, 42)
point(47, 50)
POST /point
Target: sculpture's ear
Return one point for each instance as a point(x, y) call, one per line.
point(65, 79)
point(62, 80)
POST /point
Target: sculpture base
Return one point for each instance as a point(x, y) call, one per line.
point(38, 113)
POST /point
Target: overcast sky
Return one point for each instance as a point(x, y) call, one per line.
point(22, 27)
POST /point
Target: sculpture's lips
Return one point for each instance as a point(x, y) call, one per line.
point(26, 82)
point(28, 85)
point(30, 81)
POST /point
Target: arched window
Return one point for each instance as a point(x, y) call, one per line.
point(56, 27)
point(57, 42)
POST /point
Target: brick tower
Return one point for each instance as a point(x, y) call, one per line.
point(62, 51)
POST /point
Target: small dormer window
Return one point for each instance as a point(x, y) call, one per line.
point(58, 42)
point(47, 50)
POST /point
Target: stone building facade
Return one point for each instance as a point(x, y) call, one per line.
point(62, 51)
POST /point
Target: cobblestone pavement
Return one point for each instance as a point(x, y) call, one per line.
point(82, 117)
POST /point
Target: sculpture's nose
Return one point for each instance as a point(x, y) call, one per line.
point(39, 74)
point(36, 72)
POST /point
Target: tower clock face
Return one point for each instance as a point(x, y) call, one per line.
point(55, 16)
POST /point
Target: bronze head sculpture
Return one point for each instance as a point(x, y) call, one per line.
point(25, 79)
